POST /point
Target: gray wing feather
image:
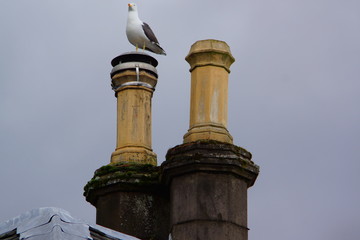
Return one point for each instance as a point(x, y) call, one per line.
point(149, 33)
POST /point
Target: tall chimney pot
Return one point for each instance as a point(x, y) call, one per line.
point(210, 62)
point(134, 78)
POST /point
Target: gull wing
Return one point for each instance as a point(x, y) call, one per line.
point(149, 33)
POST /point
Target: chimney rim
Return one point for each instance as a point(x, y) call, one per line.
point(134, 57)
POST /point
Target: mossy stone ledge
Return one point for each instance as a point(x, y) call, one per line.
point(125, 175)
point(209, 156)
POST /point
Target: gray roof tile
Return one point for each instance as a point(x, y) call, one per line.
point(55, 224)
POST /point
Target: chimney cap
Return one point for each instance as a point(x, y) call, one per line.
point(210, 52)
point(134, 57)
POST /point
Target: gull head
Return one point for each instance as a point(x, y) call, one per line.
point(132, 7)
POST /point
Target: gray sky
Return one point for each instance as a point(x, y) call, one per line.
point(293, 102)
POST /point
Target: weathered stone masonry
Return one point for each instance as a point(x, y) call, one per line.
point(200, 191)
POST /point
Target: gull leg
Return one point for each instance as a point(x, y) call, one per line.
point(144, 47)
point(137, 47)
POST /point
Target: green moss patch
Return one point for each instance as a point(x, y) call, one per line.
point(207, 144)
point(132, 174)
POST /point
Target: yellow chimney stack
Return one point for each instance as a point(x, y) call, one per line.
point(200, 190)
point(210, 62)
point(134, 78)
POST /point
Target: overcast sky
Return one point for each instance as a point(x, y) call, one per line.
point(293, 102)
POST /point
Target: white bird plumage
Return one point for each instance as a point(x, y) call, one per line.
point(140, 34)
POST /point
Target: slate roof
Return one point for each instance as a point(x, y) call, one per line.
point(55, 224)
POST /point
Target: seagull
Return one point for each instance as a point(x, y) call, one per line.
point(140, 34)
